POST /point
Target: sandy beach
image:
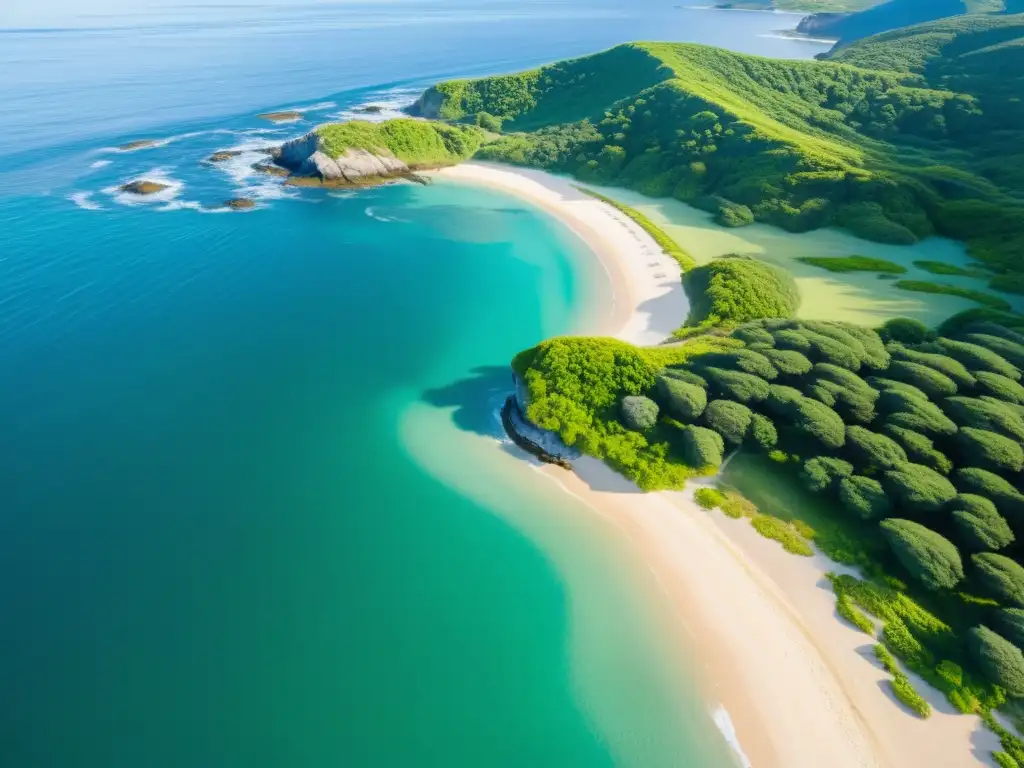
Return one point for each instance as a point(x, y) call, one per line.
point(800, 686)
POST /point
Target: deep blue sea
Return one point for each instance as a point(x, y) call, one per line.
point(253, 510)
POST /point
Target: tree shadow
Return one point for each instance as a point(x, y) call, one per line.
point(475, 399)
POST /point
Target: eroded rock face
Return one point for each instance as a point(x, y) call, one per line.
point(428, 105)
point(305, 157)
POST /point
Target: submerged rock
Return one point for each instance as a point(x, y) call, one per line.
point(138, 144)
point(369, 109)
point(306, 157)
point(240, 204)
point(280, 117)
point(220, 157)
point(270, 169)
point(143, 187)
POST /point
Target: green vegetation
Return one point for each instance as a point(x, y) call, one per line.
point(854, 264)
point(417, 143)
point(666, 243)
point(900, 684)
point(733, 290)
point(850, 612)
point(709, 498)
point(928, 557)
point(1001, 660)
point(639, 413)
point(942, 268)
point(980, 297)
point(894, 137)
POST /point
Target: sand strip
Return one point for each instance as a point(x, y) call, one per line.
point(799, 685)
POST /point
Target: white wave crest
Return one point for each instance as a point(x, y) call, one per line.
point(84, 200)
point(390, 102)
point(372, 213)
point(100, 164)
point(728, 730)
point(320, 106)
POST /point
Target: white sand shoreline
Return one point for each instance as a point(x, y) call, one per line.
point(798, 684)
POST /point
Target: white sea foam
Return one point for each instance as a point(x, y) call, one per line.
point(320, 106)
point(84, 200)
point(342, 195)
point(391, 102)
point(372, 213)
point(728, 730)
point(268, 190)
point(100, 164)
point(798, 38)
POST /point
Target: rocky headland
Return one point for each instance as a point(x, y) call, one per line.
point(307, 158)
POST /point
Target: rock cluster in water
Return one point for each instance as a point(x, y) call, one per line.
point(143, 187)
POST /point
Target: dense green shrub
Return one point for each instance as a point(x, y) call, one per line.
point(735, 385)
point(488, 122)
point(762, 432)
point(990, 485)
point(1010, 623)
point(1009, 350)
point(787, 362)
point(928, 557)
point(985, 414)
point(914, 413)
point(708, 498)
point(977, 358)
point(947, 366)
point(734, 290)
point(928, 380)
point(981, 297)
point(850, 612)
point(753, 334)
point(905, 330)
point(1000, 387)
point(990, 450)
point(1000, 659)
point(1001, 576)
point(978, 524)
point(744, 360)
point(639, 413)
point(918, 488)
point(843, 264)
point(824, 472)
point(702, 447)
point(904, 690)
point(782, 532)
point(920, 449)
point(787, 338)
point(729, 419)
point(732, 214)
point(1003, 760)
point(681, 400)
point(865, 497)
point(870, 449)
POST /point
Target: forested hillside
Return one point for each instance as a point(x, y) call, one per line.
point(894, 14)
point(919, 137)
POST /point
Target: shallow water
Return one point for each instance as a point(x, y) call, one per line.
point(253, 510)
point(857, 297)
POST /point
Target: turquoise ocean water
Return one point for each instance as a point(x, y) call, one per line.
point(252, 508)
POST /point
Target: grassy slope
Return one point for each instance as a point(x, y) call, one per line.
point(890, 148)
point(415, 142)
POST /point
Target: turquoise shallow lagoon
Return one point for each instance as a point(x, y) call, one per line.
point(253, 510)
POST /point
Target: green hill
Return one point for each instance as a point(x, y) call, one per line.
point(894, 148)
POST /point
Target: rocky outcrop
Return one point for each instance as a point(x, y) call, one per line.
point(306, 157)
point(240, 204)
point(223, 155)
point(369, 109)
point(822, 24)
point(131, 146)
point(542, 443)
point(143, 187)
point(428, 105)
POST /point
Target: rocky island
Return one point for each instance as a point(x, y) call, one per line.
point(143, 187)
point(359, 153)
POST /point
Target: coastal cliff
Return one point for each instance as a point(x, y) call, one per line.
point(307, 157)
point(358, 152)
point(542, 443)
